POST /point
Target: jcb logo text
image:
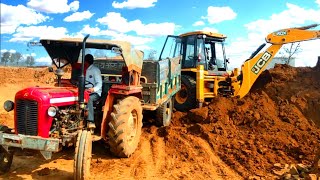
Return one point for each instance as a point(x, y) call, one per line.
point(261, 62)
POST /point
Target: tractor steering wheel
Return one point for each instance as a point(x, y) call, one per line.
point(76, 83)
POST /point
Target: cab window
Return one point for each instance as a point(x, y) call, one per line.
point(189, 53)
point(172, 48)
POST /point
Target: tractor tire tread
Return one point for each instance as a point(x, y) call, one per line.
point(118, 126)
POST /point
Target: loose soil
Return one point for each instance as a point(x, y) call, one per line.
point(277, 122)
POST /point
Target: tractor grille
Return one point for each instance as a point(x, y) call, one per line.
point(27, 117)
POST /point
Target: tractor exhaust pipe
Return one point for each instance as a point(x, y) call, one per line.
point(81, 77)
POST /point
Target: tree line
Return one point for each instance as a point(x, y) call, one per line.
point(16, 58)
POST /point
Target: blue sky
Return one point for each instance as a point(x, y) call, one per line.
point(145, 23)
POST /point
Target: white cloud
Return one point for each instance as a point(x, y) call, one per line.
point(56, 6)
point(132, 4)
point(6, 50)
point(318, 2)
point(24, 34)
point(113, 35)
point(14, 16)
point(143, 48)
point(74, 6)
point(198, 23)
point(116, 22)
point(210, 29)
point(8, 28)
point(293, 16)
point(93, 31)
point(12, 51)
point(78, 16)
point(43, 60)
point(135, 40)
point(309, 53)
point(241, 49)
point(219, 14)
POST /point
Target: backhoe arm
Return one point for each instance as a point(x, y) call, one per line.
point(253, 67)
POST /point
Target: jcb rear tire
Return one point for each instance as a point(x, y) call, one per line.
point(125, 126)
point(5, 160)
point(82, 157)
point(186, 99)
point(164, 113)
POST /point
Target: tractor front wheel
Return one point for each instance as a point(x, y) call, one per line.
point(125, 126)
point(82, 157)
point(5, 160)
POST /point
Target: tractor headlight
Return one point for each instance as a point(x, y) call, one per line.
point(8, 105)
point(52, 111)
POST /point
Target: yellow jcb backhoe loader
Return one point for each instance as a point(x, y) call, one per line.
point(204, 64)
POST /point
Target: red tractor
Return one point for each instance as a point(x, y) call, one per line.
point(48, 118)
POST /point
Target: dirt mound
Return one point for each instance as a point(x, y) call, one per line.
point(275, 123)
point(21, 75)
point(18, 75)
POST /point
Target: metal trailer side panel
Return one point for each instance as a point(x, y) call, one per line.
point(163, 81)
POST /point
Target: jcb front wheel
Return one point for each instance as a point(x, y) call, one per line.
point(82, 157)
point(125, 126)
point(185, 99)
point(5, 160)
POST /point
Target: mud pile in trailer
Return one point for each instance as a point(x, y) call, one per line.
point(265, 134)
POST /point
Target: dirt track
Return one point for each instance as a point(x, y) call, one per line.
point(278, 122)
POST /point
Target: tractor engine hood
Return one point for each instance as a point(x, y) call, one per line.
point(32, 104)
point(56, 96)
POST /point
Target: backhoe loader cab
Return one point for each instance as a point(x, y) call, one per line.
point(199, 48)
point(203, 48)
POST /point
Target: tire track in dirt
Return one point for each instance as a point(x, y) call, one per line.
point(150, 156)
point(147, 162)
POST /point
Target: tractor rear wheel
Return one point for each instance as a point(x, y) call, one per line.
point(5, 160)
point(185, 99)
point(82, 157)
point(164, 113)
point(125, 126)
